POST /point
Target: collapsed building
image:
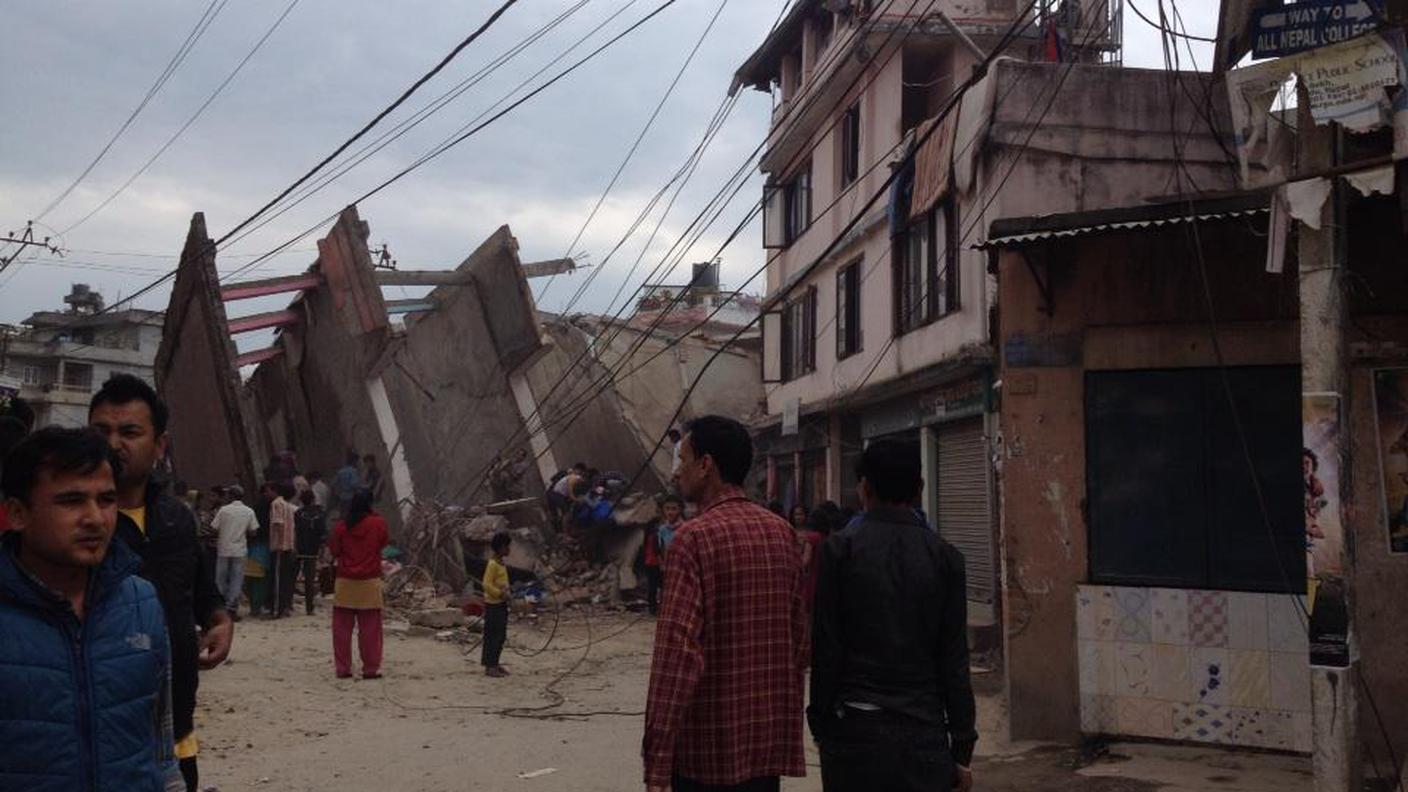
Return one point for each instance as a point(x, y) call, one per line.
point(471, 374)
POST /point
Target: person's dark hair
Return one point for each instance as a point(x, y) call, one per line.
point(20, 410)
point(56, 450)
point(12, 431)
point(674, 435)
point(501, 541)
point(727, 441)
point(359, 508)
point(285, 491)
point(308, 498)
point(1306, 453)
point(892, 469)
point(825, 518)
point(269, 487)
point(580, 467)
point(806, 513)
point(127, 388)
point(314, 475)
point(352, 458)
point(675, 499)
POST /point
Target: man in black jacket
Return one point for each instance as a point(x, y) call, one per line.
point(162, 531)
point(891, 705)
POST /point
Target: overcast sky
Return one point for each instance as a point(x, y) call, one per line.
point(72, 71)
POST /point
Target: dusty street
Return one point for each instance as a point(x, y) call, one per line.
point(275, 718)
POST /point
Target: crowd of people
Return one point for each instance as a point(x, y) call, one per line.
point(115, 591)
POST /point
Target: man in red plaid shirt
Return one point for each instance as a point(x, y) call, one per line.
point(724, 710)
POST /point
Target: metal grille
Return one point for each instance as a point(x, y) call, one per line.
point(965, 509)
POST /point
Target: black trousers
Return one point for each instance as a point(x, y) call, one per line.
point(284, 573)
point(190, 774)
point(654, 580)
point(308, 566)
point(762, 784)
point(495, 633)
point(865, 751)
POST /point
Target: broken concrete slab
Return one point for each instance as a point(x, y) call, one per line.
point(439, 618)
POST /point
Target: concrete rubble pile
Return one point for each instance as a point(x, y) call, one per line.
point(433, 581)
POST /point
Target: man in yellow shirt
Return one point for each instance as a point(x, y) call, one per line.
point(496, 592)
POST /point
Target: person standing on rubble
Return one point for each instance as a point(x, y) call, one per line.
point(356, 544)
point(309, 532)
point(282, 518)
point(724, 708)
point(162, 532)
point(891, 705)
point(234, 524)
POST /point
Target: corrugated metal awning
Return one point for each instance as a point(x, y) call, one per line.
point(1026, 230)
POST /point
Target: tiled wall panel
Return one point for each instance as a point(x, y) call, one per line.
point(1226, 668)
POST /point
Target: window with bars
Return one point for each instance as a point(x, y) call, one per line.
point(926, 269)
point(848, 310)
point(799, 336)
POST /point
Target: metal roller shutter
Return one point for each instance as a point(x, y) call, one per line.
point(965, 510)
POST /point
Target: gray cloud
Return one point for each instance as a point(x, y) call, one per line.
point(80, 67)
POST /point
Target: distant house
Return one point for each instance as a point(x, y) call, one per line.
point(57, 359)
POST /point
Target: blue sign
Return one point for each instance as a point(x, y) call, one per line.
point(1310, 25)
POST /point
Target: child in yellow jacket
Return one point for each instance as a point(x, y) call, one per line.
point(496, 592)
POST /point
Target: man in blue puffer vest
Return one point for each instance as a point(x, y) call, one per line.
point(84, 662)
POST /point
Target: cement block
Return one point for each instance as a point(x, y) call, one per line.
point(438, 618)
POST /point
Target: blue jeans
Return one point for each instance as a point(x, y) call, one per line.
point(865, 751)
point(229, 580)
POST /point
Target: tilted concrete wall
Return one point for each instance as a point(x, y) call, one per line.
point(195, 374)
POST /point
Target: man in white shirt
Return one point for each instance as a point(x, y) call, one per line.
point(234, 523)
point(322, 493)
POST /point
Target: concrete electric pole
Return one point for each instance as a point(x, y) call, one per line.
point(1324, 314)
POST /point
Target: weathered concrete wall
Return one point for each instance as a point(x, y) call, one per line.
point(655, 378)
point(447, 378)
point(313, 399)
point(195, 374)
point(1121, 301)
point(585, 424)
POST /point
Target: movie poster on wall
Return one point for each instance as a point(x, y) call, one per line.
point(1391, 415)
point(1324, 530)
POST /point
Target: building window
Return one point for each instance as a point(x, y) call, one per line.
point(825, 30)
point(848, 310)
point(797, 199)
point(32, 376)
point(78, 376)
point(926, 269)
point(799, 336)
point(1171, 498)
point(850, 145)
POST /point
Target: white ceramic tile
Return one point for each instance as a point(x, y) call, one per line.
point(1207, 723)
point(1097, 668)
point(1286, 625)
point(1207, 618)
point(1207, 669)
point(1097, 715)
point(1168, 674)
point(1131, 614)
point(1095, 613)
point(1132, 669)
point(1140, 717)
point(1248, 679)
point(1289, 681)
point(1168, 616)
point(1246, 621)
point(1261, 728)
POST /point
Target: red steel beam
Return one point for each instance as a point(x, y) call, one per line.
point(257, 356)
point(244, 324)
point(267, 286)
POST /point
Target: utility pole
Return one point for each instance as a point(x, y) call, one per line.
point(1324, 315)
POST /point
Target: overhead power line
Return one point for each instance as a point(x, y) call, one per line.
point(400, 100)
point(194, 116)
point(203, 24)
